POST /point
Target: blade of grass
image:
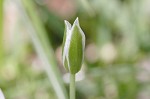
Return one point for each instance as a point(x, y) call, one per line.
point(1, 15)
point(1, 29)
point(42, 46)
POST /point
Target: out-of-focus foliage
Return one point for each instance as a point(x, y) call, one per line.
point(117, 59)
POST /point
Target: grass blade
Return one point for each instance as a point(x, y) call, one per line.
point(42, 46)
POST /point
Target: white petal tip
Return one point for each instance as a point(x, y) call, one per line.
point(76, 22)
point(68, 25)
point(77, 18)
point(66, 21)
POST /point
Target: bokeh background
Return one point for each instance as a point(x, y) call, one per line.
point(117, 58)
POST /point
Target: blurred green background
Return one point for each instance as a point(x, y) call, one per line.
point(117, 59)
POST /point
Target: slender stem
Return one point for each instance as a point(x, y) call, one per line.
point(72, 86)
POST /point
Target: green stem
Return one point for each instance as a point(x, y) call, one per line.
point(72, 86)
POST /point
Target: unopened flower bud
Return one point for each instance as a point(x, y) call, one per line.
point(73, 47)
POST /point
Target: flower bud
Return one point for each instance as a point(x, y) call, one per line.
point(73, 47)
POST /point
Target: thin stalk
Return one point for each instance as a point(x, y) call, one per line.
point(72, 86)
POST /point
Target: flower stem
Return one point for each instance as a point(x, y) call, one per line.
point(72, 86)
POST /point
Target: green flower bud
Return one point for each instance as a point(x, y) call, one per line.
point(73, 47)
